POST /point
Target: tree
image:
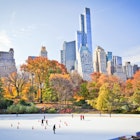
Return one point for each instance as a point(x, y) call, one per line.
point(62, 85)
point(17, 81)
point(49, 95)
point(83, 92)
point(109, 97)
point(1, 89)
point(136, 99)
point(136, 81)
point(129, 88)
point(41, 67)
point(76, 80)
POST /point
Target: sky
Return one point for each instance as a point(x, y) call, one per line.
point(93, 127)
point(27, 25)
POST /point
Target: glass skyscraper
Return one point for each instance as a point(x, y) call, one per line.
point(84, 60)
point(68, 55)
point(84, 36)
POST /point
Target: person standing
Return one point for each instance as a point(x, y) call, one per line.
point(81, 117)
point(42, 121)
point(54, 127)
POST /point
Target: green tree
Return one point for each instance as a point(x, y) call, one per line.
point(136, 99)
point(49, 95)
point(108, 98)
point(83, 92)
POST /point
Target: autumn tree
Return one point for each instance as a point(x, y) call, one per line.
point(136, 81)
point(76, 80)
point(41, 68)
point(1, 88)
point(110, 93)
point(17, 81)
point(62, 85)
point(135, 98)
point(129, 88)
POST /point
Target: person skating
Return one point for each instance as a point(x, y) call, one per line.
point(54, 127)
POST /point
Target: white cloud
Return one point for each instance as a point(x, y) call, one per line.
point(5, 41)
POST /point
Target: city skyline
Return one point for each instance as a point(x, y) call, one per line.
point(27, 25)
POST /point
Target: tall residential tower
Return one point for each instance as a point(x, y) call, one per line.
point(84, 60)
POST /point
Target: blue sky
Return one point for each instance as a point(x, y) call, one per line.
point(26, 25)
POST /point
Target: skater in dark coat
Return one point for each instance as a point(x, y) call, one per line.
point(54, 127)
point(42, 121)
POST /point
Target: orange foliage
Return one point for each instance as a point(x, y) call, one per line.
point(95, 76)
point(136, 81)
point(129, 87)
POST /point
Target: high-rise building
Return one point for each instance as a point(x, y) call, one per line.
point(84, 60)
point(68, 55)
point(7, 63)
point(100, 60)
point(109, 56)
point(109, 63)
point(135, 68)
point(43, 52)
point(118, 70)
point(128, 70)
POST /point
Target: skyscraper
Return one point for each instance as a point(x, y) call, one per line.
point(118, 70)
point(128, 70)
point(84, 60)
point(43, 52)
point(100, 60)
point(68, 55)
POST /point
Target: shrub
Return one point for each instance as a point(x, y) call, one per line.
point(5, 103)
point(32, 109)
point(79, 103)
point(52, 110)
point(18, 108)
point(23, 102)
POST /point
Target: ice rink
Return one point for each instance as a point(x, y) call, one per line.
point(68, 127)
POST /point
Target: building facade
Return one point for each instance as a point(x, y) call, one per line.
point(43, 52)
point(128, 69)
point(68, 55)
point(7, 63)
point(117, 68)
point(100, 60)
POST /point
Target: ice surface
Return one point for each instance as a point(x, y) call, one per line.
point(93, 127)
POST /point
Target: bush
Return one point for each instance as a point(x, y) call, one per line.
point(23, 102)
point(86, 106)
point(32, 109)
point(79, 103)
point(16, 109)
point(51, 110)
point(20, 109)
point(5, 103)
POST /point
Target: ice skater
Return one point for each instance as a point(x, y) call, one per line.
point(54, 127)
point(42, 121)
point(46, 122)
